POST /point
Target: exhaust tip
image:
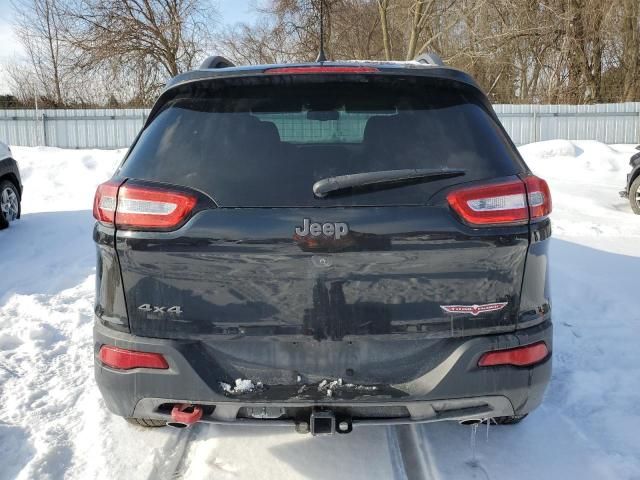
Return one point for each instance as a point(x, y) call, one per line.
point(177, 425)
point(471, 421)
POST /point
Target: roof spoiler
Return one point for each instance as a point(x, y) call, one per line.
point(216, 61)
point(430, 58)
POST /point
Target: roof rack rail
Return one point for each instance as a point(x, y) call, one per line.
point(430, 58)
point(216, 61)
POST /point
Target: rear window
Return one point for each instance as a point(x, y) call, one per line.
point(266, 144)
point(298, 127)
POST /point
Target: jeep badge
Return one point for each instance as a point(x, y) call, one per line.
point(336, 230)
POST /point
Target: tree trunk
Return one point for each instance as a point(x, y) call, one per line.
point(418, 12)
point(575, 37)
point(383, 6)
point(631, 50)
point(51, 39)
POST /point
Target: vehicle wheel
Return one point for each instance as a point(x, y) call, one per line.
point(634, 196)
point(9, 201)
point(146, 422)
point(510, 420)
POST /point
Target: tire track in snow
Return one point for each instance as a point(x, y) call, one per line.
point(410, 457)
point(410, 453)
point(173, 465)
point(397, 464)
point(459, 466)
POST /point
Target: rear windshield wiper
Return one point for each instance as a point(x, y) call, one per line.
point(380, 180)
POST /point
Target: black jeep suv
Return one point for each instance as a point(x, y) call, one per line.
point(322, 245)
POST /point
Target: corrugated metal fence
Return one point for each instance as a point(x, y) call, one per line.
point(607, 122)
point(100, 128)
point(111, 128)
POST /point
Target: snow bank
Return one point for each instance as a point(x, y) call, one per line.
point(53, 423)
point(585, 178)
point(57, 179)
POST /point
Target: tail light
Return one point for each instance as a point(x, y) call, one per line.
point(152, 208)
point(132, 206)
point(123, 359)
point(491, 204)
point(539, 197)
point(519, 356)
point(104, 203)
point(515, 202)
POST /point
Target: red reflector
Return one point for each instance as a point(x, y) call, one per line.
point(519, 356)
point(500, 203)
point(104, 202)
point(539, 197)
point(295, 70)
point(144, 207)
point(127, 359)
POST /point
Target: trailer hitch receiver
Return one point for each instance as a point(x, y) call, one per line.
point(322, 422)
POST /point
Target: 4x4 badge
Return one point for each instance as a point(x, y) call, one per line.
point(147, 307)
point(474, 310)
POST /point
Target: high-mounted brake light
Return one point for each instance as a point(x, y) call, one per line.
point(513, 203)
point(519, 356)
point(308, 70)
point(123, 359)
point(134, 206)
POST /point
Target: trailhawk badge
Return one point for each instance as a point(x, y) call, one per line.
point(474, 310)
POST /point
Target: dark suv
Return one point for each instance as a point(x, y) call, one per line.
point(10, 187)
point(322, 245)
point(632, 188)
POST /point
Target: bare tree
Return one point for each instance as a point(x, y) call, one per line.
point(85, 52)
point(260, 43)
point(121, 51)
point(39, 28)
point(169, 33)
point(21, 82)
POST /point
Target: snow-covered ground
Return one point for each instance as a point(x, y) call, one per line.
point(53, 423)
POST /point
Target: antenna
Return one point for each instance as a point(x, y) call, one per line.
point(321, 55)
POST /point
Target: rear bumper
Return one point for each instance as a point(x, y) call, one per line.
point(451, 388)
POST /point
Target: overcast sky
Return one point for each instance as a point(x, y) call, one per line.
point(231, 11)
